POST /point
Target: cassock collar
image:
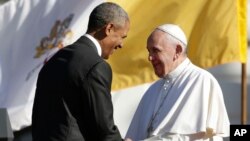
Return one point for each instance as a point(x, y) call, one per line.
point(98, 47)
point(177, 71)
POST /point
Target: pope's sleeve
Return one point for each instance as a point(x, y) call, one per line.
point(217, 119)
point(134, 127)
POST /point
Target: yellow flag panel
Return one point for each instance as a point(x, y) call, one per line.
point(216, 32)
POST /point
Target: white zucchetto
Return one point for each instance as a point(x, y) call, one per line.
point(175, 31)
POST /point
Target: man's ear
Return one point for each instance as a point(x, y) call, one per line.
point(109, 28)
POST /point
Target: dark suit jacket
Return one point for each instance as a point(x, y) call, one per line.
point(73, 100)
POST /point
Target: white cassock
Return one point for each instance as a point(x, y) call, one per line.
point(192, 109)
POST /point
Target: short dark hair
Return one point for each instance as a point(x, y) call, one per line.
point(105, 13)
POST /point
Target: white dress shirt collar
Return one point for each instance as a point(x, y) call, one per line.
point(97, 45)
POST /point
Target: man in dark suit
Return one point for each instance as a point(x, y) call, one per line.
point(73, 99)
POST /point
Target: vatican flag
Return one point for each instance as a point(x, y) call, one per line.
point(216, 32)
point(30, 32)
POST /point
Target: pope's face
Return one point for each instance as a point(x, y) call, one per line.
point(161, 53)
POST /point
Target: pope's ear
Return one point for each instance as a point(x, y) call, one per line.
point(179, 49)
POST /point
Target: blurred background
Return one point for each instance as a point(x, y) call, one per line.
point(125, 98)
